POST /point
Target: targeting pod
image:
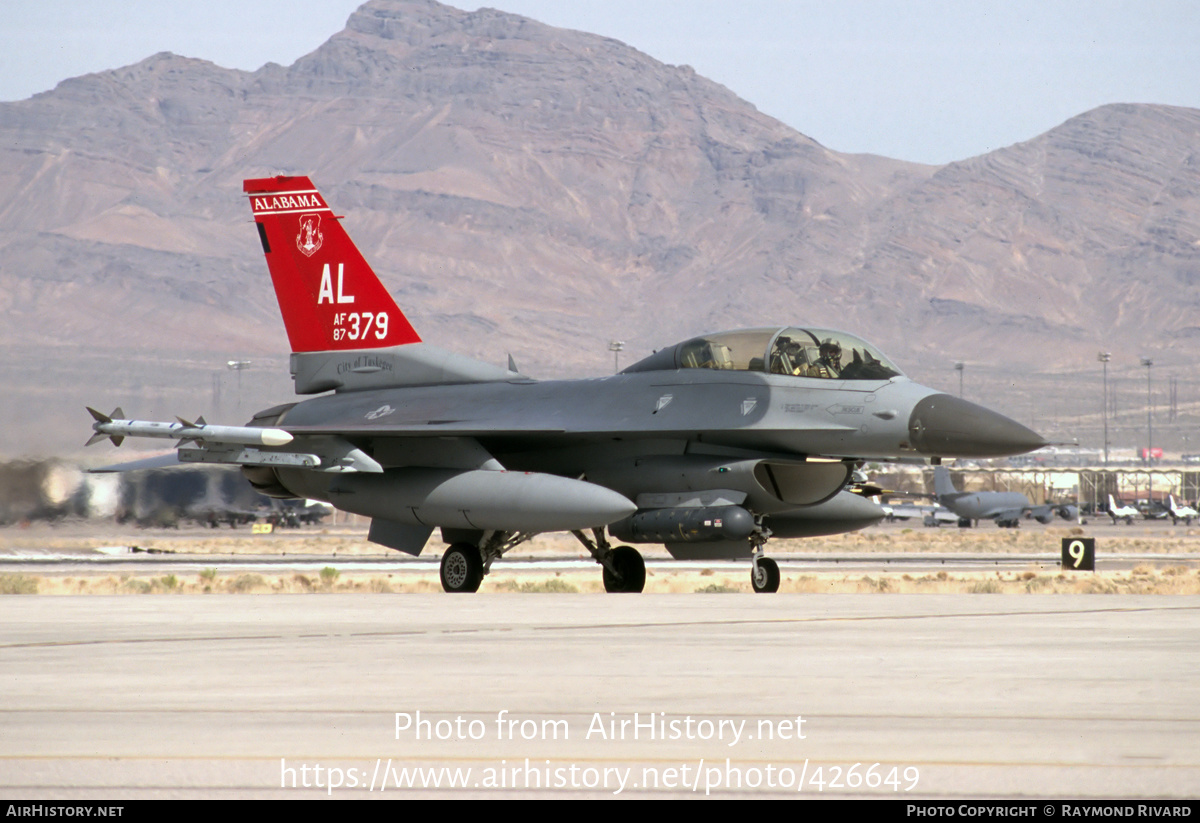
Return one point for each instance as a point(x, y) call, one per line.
point(685, 525)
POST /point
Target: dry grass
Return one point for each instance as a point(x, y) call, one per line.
point(1156, 575)
point(348, 541)
point(1144, 579)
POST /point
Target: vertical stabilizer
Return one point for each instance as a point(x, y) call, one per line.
point(942, 485)
point(330, 298)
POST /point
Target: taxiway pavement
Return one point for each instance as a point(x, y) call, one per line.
point(599, 695)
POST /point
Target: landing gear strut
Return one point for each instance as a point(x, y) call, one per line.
point(624, 568)
point(764, 572)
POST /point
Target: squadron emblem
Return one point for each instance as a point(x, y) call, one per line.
point(310, 238)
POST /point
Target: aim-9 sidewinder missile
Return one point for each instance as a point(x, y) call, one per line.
point(116, 429)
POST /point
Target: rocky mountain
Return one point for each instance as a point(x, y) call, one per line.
point(538, 191)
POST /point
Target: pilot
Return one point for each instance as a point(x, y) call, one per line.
point(788, 357)
point(829, 364)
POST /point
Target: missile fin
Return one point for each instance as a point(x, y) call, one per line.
point(99, 417)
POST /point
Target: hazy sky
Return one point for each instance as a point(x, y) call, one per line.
point(924, 80)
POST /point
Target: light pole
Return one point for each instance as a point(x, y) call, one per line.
point(1104, 357)
point(615, 347)
point(1147, 362)
point(238, 366)
point(958, 367)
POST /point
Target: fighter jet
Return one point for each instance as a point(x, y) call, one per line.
point(1006, 508)
point(710, 446)
point(1184, 513)
point(1126, 513)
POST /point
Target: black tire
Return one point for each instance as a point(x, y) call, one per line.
point(764, 576)
point(462, 569)
point(631, 571)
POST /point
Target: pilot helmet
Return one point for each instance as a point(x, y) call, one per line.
point(831, 350)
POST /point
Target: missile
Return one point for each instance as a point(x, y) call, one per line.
point(116, 429)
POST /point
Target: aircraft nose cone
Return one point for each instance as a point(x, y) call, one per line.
point(948, 426)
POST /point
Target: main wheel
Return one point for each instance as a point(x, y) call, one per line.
point(764, 577)
point(631, 571)
point(462, 568)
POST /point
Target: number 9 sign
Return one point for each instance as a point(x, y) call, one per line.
point(1079, 554)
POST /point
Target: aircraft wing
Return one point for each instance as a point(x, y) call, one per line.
point(161, 461)
point(943, 515)
point(907, 510)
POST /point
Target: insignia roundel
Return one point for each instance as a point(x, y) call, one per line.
point(382, 411)
point(310, 237)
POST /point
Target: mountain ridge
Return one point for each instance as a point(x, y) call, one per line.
point(539, 191)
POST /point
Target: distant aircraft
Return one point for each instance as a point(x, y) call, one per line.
point(1006, 508)
point(710, 446)
point(1126, 513)
point(1184, 513)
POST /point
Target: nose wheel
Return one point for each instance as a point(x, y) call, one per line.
point(764, 572)
point(764, 575)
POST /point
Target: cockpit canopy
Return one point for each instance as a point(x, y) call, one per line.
point(796, 352)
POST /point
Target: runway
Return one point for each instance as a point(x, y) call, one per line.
point(546, 695)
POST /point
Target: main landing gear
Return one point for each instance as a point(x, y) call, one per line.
point(465, 564)
point(624, 568)
point(462, 568)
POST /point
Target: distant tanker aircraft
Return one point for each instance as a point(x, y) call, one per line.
point(711, 446)
point(1006, 508)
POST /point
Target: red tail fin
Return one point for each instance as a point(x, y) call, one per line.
point(328, 294)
